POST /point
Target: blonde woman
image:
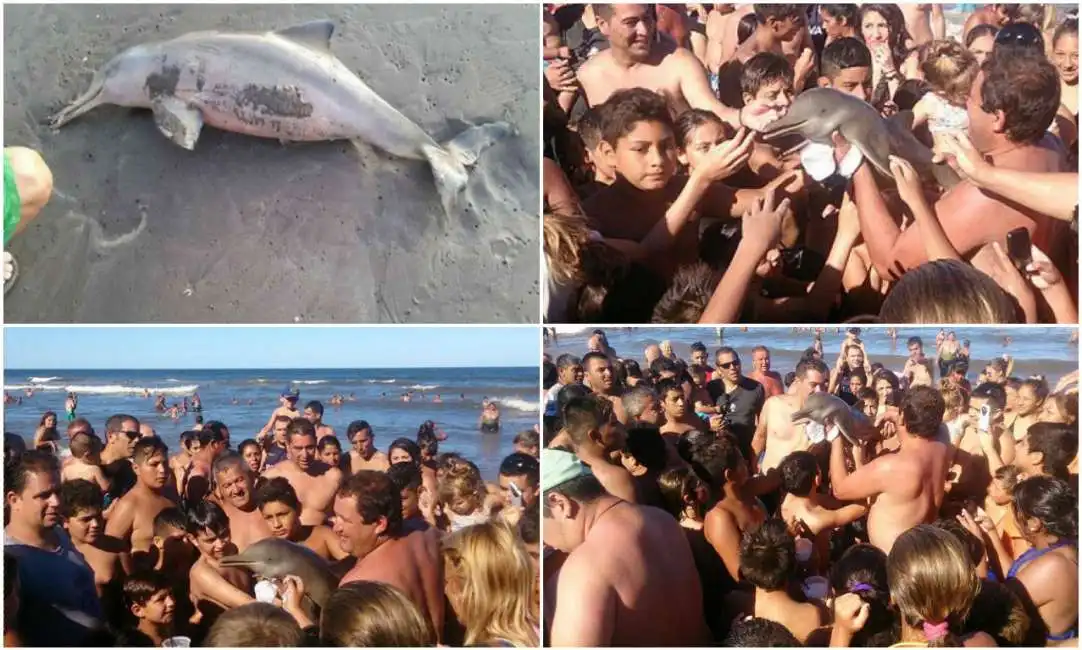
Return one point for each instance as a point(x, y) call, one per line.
point(367, 614)
point(490, 585)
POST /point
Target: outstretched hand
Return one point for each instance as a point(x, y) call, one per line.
point(956, 150)
point(729, 157)
point(908, 181)
point(762, 223)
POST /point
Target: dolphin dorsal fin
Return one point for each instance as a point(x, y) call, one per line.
point(315, 34)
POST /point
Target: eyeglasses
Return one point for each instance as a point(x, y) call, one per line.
point(132, 435)
point(730, 364)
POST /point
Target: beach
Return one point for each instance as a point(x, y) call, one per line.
point(1042, 350)
point(244, 229)
point(103, 393)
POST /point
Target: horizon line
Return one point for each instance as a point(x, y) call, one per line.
point(428, 367)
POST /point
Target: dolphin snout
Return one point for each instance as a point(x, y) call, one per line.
point(779, 128)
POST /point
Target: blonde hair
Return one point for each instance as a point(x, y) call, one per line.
point(373, 614)
point(948, 291)
point(255, 625)
point(566, 238)
point(931, 579)
point(953, 397)
point(489, 570)
point(460, 487)
point(949, 69)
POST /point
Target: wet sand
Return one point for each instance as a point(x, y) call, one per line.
point(248, 230)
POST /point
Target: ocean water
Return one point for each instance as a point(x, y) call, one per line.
point(1044, 350)
point(377, 395)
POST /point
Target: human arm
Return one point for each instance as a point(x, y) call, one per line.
point(762, 227)
point(758, 441)
point(721, 531)
point(585, 613)
point(845, 515)
point(936, 244)
point(1052, 193)
point(866, 481)
point(292, 593)
point(1047, 279)
point(850, 615)
point(211, 586)
point(939, 22)
point(695, 86)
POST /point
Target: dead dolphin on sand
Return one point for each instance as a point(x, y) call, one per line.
point(283, 84)
point(817, 113)
point(277, 558)
point(828, 410)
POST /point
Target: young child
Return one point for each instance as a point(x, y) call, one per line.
point(85, 461)
point(950, 70)
point(330, 451)
point(149, 598)
point(869, 402)
point(1000, 509)
point(462, 493)
point(846, 66)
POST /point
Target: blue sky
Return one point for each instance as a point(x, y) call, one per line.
point(43, 348)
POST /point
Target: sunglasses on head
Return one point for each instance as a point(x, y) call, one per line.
point(1020, 34)
point(730, 364)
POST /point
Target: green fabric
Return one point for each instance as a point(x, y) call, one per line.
point(12, 203)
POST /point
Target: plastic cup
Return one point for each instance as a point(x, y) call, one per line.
point(816, 587)
point(177, 642)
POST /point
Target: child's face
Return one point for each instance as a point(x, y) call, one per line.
point(851, 81)
point(330, 455)
point(85, 526)
point(158, 609)
point(212, 545)
point(773, 95)
point(604, 168)
point(869, 407)
point(1000, 496)
point(646, 156)
point(701, 140)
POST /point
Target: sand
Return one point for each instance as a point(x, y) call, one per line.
point(247, 230)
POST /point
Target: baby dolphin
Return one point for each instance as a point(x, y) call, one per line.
point(283, 84)
point(277, 558)
point(817, 113)
point(827, 410)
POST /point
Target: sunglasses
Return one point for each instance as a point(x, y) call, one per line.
point(1020, 34)
point(132, 435)
point(731, 364)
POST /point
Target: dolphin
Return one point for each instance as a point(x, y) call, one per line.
point(817, 113)
point(827, 410)
point(276, 558)
point(283, 84)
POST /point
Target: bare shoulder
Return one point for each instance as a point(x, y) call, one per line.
point(595, 65)
point(680, 59)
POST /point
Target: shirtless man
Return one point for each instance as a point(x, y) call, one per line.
point(180, 461)
point(776, 435)
point(121, 433)
point(80, 509)
point(385, 551)
point(905, 488)
point(778, 24)
point(924, 22)
point(287, 406)
point(213, 441)
point(314, 481)
point(637, 60)
point(235, 494)
point(280, 511)
point(313, 412)
point(918, 368)
point(85, 462)
point(972, 218)
point(276, 450)
point(364, 454)
point(679, 419)
point(761, 372)
point(132, 519)
point(595, 437)
point(601, 595)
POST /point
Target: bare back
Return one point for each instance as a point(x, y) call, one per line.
point(913, 494)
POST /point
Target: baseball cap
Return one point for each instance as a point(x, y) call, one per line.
point(559, 467)
point(290, 392)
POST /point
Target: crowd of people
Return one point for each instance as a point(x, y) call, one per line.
point(701, 501)
point(668, 199)
point(291, 540)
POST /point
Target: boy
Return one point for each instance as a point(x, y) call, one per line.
point(847, 67)
point(214, 588)
point(678, 417)
point(809, 512)
point(85, 461)
point(80, 507)
point(149, 598)
point(278, 504)
point(407, 478)
point(590, 132)
point(869, 402)
point(649, 205)
point(776, 23)
point(132, 519)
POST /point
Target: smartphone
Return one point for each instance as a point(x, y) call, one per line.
point(985, 421)
point(516, 495)
point(1019, 249)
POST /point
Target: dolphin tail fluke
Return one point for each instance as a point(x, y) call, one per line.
point(451, 162)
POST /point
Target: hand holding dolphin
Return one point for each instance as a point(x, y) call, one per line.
point(827, 410)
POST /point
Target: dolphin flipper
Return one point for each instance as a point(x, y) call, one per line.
point(450, 162)
point(178, 121)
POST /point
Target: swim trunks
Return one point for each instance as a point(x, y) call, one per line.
point(12, 203)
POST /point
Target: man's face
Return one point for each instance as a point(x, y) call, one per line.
point(869, 408)
point(1065, 56)
point(916, 352)
point(995, 375)
point(728, 365)
point(211, 544)
point(674, 404)
point(363, 441)
point(785, 28)
point(761, 360)
point(571, 374)
point(646, 156)
point(129, 435)
point(630, 29)
point(153, 471)
point(39, 503)
point(281, 518)
point(814, 381)
point(236, 486)
point(529, 494)
point(651, 353)
point(982, 126)
point(561, 531)
point(652, 412)
point(159, 609)
point(290, 402)
point(600, 374)
point(311, 415)
point(975, 406)
point(981, 47)
point(854, 357)
point(698, 358)
point(86, 526)
point(280, 432)
point(302, 450)
point(354, 536)
point(1026, 402)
